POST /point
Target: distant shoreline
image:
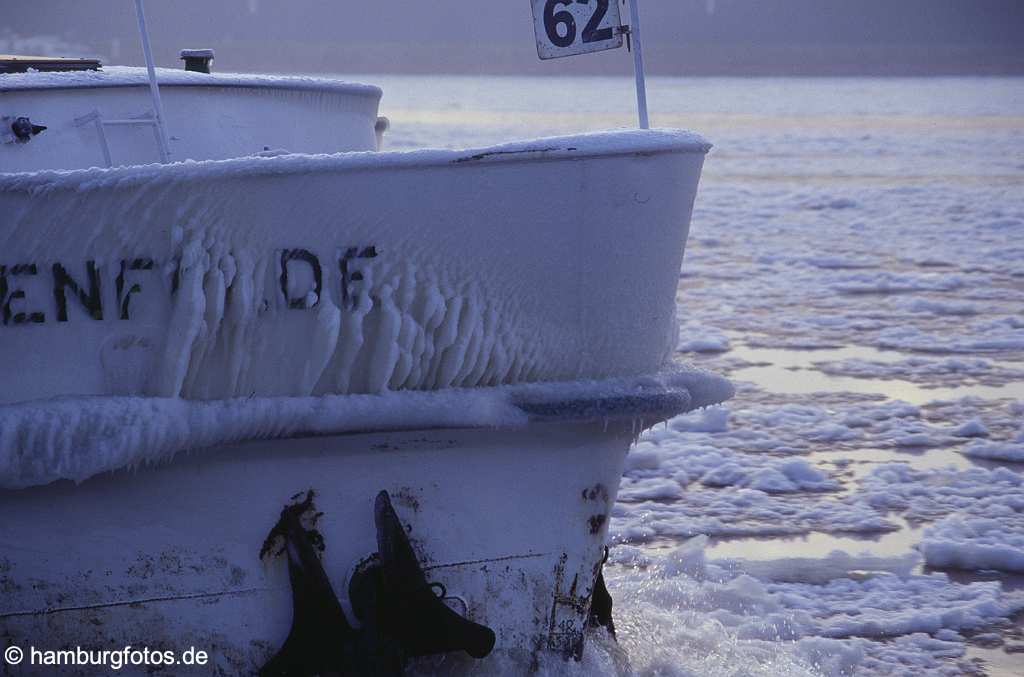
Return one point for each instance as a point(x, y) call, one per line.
point(716, 61)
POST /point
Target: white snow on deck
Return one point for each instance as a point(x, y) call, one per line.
point(592, 144)
point(128, 76)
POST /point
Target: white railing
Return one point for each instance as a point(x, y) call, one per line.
point(96, 119)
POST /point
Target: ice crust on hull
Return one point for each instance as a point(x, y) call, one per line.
point(353, 273)
point(180, 541)
point(77, 438)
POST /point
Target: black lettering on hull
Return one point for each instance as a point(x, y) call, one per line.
point(350, 275)
point(307, 257)
point(128, 284)
point(91, 302)
point(123, 297)
point(7, 314)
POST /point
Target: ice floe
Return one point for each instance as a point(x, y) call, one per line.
point(682, 613)
point(999, 451)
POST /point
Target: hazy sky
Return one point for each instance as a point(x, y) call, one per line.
point(497, 36)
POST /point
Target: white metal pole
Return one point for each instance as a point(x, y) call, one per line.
point(154, 88)
point(638, 63)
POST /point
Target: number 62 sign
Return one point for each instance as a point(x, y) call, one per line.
point(567, 27)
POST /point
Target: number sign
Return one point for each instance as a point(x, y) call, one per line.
point(567, 27)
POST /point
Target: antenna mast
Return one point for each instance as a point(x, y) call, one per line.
point(154, 88)
point(638, 64)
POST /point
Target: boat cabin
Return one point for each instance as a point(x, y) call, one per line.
point(75, 114)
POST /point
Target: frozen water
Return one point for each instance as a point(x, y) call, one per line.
point(682, 613)
point(999, 451)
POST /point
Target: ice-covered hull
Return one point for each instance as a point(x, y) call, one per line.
point(197, 343)
point(169, 557)
point(298, 275)
point(510, 520)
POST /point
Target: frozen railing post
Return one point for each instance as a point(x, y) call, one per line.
point(556, 24)
point(154, 88)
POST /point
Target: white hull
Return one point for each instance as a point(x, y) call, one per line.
point(196, 343)
point(168, 557)
point(552, 260)
point(506, 497)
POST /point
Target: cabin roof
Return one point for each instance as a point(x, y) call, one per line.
point(126, 76)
